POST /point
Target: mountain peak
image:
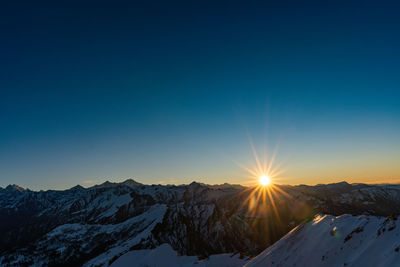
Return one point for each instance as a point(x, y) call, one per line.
point(131, 183)
point(341, 183)
point(14, 187)
point(107, 184)
point(77, 187)
point(195, 184)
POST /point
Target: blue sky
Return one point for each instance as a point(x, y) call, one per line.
point(170, 92)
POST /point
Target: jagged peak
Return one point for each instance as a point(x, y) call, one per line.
point(196, 184)
point(130, 182)
point(77, 187)
point(106, 184)
point(14, 187)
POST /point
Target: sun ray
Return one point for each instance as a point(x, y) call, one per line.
point(277, 173)
point(273, 205)
point(254, 173)
point(255, 153)
point(282, 192)
point(271, 162)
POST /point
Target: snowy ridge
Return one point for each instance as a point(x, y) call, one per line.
point(336, 241)
point(86, 236)
point(152, 218)
point(164, 255)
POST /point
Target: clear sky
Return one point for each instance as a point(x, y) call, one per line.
point(169, 92)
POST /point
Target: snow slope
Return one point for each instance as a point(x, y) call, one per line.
point(164, 255)
point(336, 241)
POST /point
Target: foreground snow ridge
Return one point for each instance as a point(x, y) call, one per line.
point(336, 241)
point(164, 255)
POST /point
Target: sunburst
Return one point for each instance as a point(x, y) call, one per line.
point(263, 196)
point(264, 180)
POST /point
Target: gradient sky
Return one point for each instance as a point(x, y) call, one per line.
point(169, 92)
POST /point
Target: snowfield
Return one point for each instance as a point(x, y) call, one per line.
point(148, 220)
point(164, 255)
point(336, 241)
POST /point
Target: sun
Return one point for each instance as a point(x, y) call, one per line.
point(264, 180)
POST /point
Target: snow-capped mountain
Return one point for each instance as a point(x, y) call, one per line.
point(96, 226)
point(337, 241)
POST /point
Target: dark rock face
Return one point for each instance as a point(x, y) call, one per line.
point(77, 226)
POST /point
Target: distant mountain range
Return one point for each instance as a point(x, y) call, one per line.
point(113, 222)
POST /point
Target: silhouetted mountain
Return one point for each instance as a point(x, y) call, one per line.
point(14, 187)
point(131, 182)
